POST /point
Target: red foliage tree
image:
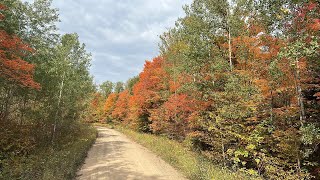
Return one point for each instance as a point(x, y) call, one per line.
point(147, 93)
point(176, 115)
point(12, 67)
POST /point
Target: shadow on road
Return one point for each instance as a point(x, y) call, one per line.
point(105, 161)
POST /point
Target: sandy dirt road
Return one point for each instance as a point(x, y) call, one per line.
point(116, 157)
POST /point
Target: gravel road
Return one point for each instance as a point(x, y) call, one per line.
point(116, 157)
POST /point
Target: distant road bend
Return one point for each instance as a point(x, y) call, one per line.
point(115, 157)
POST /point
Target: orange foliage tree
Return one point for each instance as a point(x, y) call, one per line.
point(148, 93)
point(262, 114)
point(96, 108)
point(120, 111)
point(110, 105)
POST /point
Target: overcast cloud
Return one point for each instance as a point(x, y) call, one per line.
point(120, 34)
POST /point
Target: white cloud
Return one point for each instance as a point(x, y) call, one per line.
point(121, 34)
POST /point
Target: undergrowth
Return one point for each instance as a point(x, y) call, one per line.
point(50, 163)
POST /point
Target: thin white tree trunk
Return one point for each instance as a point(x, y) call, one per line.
point(299, 93)
point(229, 39)
point(58, 107)
point(301, 106)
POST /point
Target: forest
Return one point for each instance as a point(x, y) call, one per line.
point(44, 77)
point(237, 81)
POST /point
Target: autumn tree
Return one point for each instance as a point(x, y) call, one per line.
point(176, 116)
point(109, 106)
point(240, 80)
point(239, 36)
point(301, 53)
point(148, 93)
point(120, 112)
point(45, 86)
point(13, 69)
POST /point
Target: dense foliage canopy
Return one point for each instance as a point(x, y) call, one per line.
point(44, 77)
point(239, 80)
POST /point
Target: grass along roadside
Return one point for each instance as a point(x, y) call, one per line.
point(48, 164)
point(191, 164)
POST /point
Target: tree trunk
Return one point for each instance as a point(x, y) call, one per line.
point(7, 105)
point(299, 93)
point(230, 48)
point(23, 109)
point(271, 107)
point(301, 108)
point(58, 107)
point(229, 39)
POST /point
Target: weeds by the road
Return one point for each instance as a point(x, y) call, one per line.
point(50, 163)
point(190, 163)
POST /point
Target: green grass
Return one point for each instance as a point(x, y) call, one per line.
point(50, 164)
point(190, 163)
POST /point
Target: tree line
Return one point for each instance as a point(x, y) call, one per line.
point(44, 79)
point(238, 81)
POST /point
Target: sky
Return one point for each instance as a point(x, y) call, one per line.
point(120, 34)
